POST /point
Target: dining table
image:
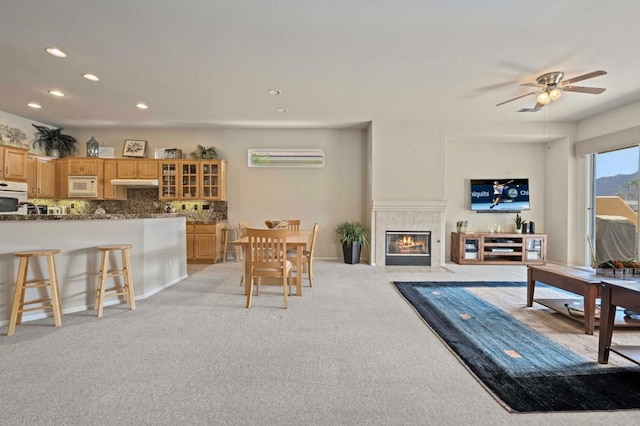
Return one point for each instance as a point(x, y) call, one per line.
point(295, 239)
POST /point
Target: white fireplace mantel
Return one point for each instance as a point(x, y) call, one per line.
point(435, 206)
point(408, 216)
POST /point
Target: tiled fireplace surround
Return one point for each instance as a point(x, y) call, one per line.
point(408, 216)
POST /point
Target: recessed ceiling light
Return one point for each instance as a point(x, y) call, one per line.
point(274, 92)
point(56, 93)
point(282, 110)
point(142, 106)
point(91, 77)
point(56, 52)
point(34, 105)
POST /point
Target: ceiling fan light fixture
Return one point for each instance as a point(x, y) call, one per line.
point(544, 98)
point(555, 94)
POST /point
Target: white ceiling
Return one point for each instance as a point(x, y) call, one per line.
point(337, 62)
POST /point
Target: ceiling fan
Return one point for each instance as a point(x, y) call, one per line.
point(551, 85)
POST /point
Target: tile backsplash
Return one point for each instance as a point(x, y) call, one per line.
point(144, 201)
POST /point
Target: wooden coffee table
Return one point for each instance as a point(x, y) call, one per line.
point(581, 281)
point(616, 293)
point(575, 280)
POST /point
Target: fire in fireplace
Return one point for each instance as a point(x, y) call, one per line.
point(408, 248)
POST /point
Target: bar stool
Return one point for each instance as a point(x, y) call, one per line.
point(22, 284)
point(120, 290)
point(227, 233)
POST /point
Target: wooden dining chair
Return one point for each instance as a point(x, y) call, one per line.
point(293, 225)
point(266, 254)
point(242, 232)
point(307, 256)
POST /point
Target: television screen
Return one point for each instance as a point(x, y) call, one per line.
point(499, 195)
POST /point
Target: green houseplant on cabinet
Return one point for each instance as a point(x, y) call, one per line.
point(352, 235)
point(52, 141)
point(519, 221)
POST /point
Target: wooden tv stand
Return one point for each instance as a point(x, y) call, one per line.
point(477, 248)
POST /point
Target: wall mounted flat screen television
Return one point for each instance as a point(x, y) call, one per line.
point(499, 195)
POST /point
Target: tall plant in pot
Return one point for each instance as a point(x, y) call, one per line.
point(519, 221)
point(52, 141)
point(352, 235)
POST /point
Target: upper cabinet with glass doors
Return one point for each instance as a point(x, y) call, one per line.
point(193, 180)
point(213, 181)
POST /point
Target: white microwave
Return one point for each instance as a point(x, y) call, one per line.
point(83, 186)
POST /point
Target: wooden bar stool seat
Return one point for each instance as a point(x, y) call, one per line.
point(126, 287)
point(52, 302)
point(230, 234)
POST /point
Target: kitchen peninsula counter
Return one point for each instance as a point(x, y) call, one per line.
point(158, 256)
point(32, 217)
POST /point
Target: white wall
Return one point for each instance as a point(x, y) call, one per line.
point(621, 118)
point(401, 161)
point(408, 161)
point(431, 162)
point(491, 161)
point(326, 195)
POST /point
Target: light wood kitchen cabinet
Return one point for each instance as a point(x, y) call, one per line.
point(203, 242)
point(137, 169)
point(178, 180)
point(190, 242)
point(41, 176)
point(13, 164)
point(62, 179)
point(193, 180)
point(112, 192)
point(84, 166)
point(78, 166)
point(213, 180)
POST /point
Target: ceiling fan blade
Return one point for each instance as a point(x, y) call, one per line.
point(538, 106)
point(530, 93)
point(531, 85)
point(591, 90)
point(583, 77)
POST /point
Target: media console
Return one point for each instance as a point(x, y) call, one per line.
point(470, 248)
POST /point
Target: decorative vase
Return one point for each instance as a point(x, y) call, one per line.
point(518, 230)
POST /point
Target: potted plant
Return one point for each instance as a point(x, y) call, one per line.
point(202, 153)
point(352, 235)
point(52, 141)
point(519, 222)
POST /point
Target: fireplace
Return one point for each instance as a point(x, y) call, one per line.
point(408, 248)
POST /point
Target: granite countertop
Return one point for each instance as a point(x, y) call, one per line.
point(14, 217)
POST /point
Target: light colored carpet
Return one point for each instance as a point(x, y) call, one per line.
point(351, 351)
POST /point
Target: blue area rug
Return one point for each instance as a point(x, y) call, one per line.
point(525, 370)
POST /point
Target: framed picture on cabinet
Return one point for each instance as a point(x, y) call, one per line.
point(134, 148)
